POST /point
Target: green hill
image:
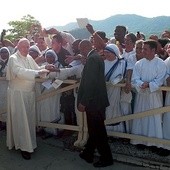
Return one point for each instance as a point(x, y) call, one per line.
point(133, 22)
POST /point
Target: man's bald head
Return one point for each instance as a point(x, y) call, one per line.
point(85, 47)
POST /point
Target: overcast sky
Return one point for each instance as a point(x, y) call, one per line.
point(61, 12)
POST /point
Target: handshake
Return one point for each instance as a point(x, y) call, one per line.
point(43, 73)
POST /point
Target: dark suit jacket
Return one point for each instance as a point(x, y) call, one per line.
point(92, 90)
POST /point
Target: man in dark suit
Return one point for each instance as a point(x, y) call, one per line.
point(92, 98)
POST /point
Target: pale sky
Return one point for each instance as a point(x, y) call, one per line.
point(61, 12)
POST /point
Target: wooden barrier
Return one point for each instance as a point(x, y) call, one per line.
point(71, 84)
point(137, 116)
point(81, 128)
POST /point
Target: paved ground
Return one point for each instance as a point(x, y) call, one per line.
point(51, 154)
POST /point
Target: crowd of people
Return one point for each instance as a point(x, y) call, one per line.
point(141, 63)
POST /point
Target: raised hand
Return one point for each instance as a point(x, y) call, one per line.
point(90, 28)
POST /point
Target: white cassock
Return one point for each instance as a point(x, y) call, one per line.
point(166, 116)
point(21, 73)
point(131, 60)
point(153, 72)
point(113, 92)
point(126, 98)
point(126, 108)
point(126, 55)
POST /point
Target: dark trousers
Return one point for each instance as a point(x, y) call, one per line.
point(67, 102)
point(97, 135)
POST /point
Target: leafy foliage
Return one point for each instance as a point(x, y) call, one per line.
point(28, 25)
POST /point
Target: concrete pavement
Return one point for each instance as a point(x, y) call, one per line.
point(50, 155)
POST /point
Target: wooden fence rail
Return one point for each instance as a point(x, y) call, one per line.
point(81, 128)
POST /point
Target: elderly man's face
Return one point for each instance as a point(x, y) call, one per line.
point(23, 47)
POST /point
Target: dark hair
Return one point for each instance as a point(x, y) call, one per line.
point(77, 41)
point(152, 44)
point(102, 34)
point(58, 38)
point(163, 41)
point(123, 28)
point(132, 37)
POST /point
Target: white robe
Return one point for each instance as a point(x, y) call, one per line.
point(131, 60)
point(166, 116)
point(126, 108)
point(48, 110)
point(153, 72)
point(126, 55)
point(3, 97)
point(113, 92)
point(21, 73)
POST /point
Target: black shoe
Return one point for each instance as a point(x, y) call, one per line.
point(163, 152)
point(153, 149)
point(40, 132)
point(100, 163)
point(26, 155)
point(2, 126)
point(141, 146)
point(88, 158)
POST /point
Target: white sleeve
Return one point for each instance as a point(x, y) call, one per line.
point(68, 37)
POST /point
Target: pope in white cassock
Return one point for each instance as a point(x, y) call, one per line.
point(148, 75)
point(21, 73)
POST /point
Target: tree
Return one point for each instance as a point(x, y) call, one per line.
point(28, 25)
